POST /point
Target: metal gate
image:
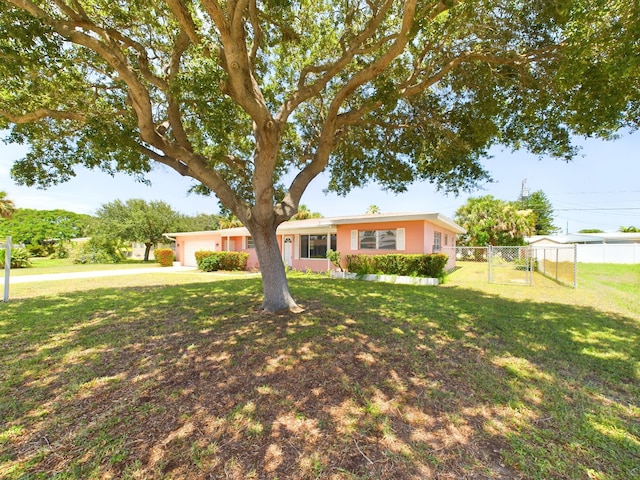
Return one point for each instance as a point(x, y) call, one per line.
point(510, 265)
point(558, 262)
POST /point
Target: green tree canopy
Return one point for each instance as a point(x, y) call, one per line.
point(490, 221)
point(629, 229)
point(237, 94)
point(198, 223)
point(34, 227)
point(590, 230)
point(543, 210)
point(137, 221)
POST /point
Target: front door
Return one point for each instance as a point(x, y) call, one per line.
point(287, 251)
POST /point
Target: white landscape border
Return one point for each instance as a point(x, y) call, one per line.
point(398, 279)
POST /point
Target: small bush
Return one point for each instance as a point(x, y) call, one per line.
point(233, 260)
point(229, 261)
point(418, 265)
point(202, 254)
point(61, 251)
point(209, 264)
point(360, 264)
point(95, 251)
point(19, 258)
point(164, 256)
point(334, 258)
point(37, 250)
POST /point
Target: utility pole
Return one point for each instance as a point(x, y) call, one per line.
point(524, 191)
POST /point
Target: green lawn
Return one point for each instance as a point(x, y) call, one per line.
point(173, 376)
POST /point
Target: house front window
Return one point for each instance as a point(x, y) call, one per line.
point(250, 243)
point(377, 239)
point(437, 246)
point(315, 246)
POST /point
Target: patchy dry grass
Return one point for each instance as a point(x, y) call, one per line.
point(372, 381)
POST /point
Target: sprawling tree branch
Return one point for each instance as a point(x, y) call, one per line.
point(357, 46)
point(41, 114)
point(184, 18)
point(326, 139)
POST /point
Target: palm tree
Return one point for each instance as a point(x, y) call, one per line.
point(373, 210)
point(7, 206)
point(304, 213)
point(229, 221)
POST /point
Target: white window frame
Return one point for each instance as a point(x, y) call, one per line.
point(398, 234)
point(307, 257)
point(437, 241)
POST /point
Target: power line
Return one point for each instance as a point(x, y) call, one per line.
point(593, 209)
point(593, 193)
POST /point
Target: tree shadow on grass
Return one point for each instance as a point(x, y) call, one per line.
point(372, 381)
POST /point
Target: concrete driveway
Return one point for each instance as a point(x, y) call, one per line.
point(91, 274)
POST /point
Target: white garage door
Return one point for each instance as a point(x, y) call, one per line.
point(191, 247)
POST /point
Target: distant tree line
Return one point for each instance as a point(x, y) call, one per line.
point(491, 221)
point(111, 230)
point(48, 232)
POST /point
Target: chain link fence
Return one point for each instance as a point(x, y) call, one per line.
point(471, 254)
point(516, 265)
point(510, 265)
point(558, 262)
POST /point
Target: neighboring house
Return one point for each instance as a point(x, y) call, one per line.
point(616, 247)
point(581, 238)
point(138, 249)
point(304, 243)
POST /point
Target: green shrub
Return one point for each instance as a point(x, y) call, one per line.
point(334, 258)
point(61, 251)
point(37, 250)
point(202, 254)
point(209, 264)
point(19, 258)
point(418, 265)
point(229, 261)
point(233, 260)
point(95, 251)
point(360, 264)
point(164, 256)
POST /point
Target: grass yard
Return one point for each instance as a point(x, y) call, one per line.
point(178, 376)
point(64, 265)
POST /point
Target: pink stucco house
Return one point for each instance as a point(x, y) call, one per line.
point(304, 243)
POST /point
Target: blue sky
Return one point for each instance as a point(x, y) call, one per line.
point(599, 189)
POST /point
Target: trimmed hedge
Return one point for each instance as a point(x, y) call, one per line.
point(202, 254)
point(209, 261)
point(164, 256)
point(418, 265)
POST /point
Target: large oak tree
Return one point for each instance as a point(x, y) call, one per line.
point(238, 93)
point(137, 220)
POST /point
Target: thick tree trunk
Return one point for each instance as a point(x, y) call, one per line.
point(147, 250)
point(274, 279)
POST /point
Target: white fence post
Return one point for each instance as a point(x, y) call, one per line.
point(7, 268)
